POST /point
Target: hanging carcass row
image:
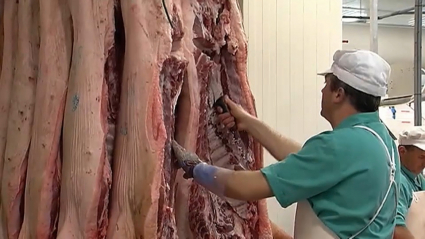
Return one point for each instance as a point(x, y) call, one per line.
point(91, 95)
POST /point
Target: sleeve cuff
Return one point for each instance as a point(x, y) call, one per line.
point(278, 193)
point(400, 221)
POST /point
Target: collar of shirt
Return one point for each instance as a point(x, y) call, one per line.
point(359, 119)
point(417, 180)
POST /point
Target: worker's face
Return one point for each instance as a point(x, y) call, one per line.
point(413, 158)
point(331, 100)
point(326, 99)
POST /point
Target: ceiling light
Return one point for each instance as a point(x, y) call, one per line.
point(350, 19)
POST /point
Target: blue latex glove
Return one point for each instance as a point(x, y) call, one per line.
point(186, 160)
point(210, 177)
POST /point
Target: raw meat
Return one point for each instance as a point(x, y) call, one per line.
point(109, 84)
point(86, 175)
point(43, 174)
point(21, 113)
point(187, 114)
point(9, 47)
point(139, 150)
point(218, 33)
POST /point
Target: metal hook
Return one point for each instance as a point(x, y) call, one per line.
point(167, 15)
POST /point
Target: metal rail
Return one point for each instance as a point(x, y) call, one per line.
point(373, 26)
point(418, 64)
point(393, 14)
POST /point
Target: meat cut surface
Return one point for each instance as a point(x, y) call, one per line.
point(91, 95)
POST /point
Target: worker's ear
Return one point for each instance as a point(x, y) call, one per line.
point(401, 149)
point(339, 95)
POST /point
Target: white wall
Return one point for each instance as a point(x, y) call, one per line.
point(289, 41)
point(395, 44)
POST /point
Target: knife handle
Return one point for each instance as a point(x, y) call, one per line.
point(220, 103)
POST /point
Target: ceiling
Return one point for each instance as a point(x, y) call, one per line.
point(385, 7)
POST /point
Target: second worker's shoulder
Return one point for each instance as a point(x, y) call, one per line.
point(422, 181)
point(406, 189)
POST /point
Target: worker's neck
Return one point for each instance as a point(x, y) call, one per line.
point(410, 167)
point(341, 115)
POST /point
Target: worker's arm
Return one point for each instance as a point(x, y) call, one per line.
point(277, 145)
point(404, 200)
point(241, 185)
point(289, 180)
point(401, 232)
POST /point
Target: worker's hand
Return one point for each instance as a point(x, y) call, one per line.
point(236, 116)
point(186, 160)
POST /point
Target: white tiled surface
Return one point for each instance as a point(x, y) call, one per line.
point(289, 41)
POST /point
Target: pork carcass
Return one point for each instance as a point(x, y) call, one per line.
point(21, 111)
point(109, 86)
point(43, 174)
point(168, 73)
point(86, 174)
point(9, 46)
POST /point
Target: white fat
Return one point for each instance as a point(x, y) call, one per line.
point(176, 98)
point(215, 91)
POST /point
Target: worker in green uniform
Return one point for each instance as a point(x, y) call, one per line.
point(412, 156)
point(343, 179)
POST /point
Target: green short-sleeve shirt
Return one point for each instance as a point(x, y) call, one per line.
point(409, 183)
point(344, 175)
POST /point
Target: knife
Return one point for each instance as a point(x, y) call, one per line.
point(220, 103)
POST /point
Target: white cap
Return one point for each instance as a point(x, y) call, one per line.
point(363, 70)
point(414, 136)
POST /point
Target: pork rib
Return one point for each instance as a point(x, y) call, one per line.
point(218, 34)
